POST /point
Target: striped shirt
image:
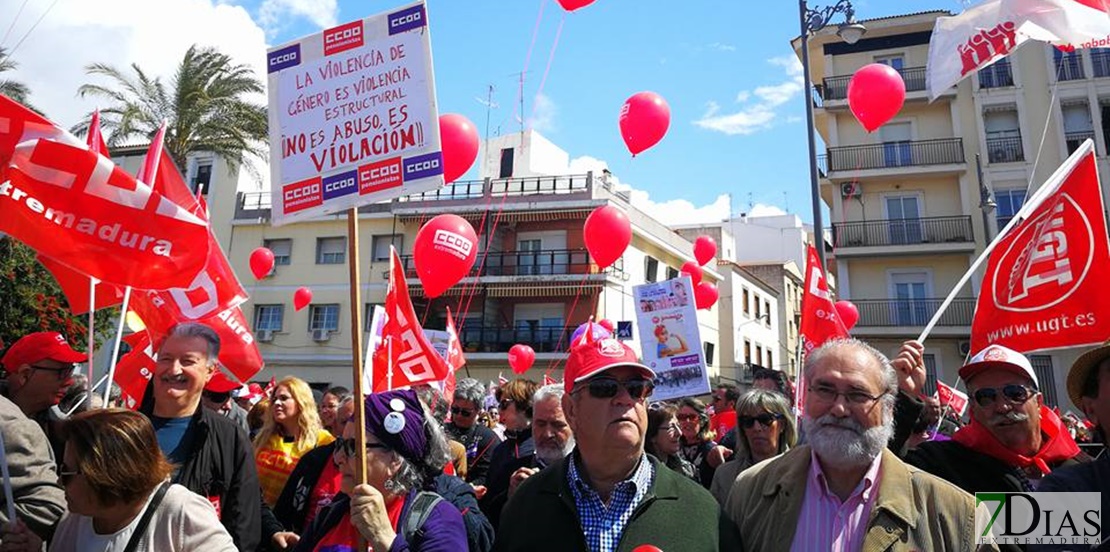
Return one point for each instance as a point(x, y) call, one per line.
point(603, 525)
point(826, 523)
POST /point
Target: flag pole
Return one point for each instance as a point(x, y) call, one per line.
point(356, 344)
point(1048, 188)
point(92, 333)
point(115, 348)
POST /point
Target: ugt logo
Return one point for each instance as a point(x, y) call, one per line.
point(1039, 518)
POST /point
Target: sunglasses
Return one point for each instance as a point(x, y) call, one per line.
point(216, 397)
point(61, 373)
point(464, 412)
point(607, 388)
point(65, 475)
point(1014, 393)
point(687, 417)
point(347, 447)
point(765, 420)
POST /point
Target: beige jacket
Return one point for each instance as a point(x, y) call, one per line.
point(913, 510)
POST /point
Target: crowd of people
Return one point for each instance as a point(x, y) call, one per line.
point(592, 463)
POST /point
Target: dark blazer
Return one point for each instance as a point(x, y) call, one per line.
point(676, 514)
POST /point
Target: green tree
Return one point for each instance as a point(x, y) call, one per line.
point(205, 107)
point(13, 89)
point(33, 301)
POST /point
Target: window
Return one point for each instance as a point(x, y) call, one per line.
point(758, 310)
point(747, 351)
point(1003, 133)
point(672, 273)
point(203, 178)
point(331, 250)
point(1009, 202)
point(897, 144)
point(381, 245)
point(527, 258)
point(1078, 125)
point(767, 313)
point(709, 348)
point(506, 163)
point(1100, 60)
point(930, 374)
point(903, 215)
point(1068, 66)
point(747, 308)
point(368, 315)
point(651, 269)
point(324, 317)
point(911, 303)
point(996, 75)
point(770, 359)
point(268, 317)
point(283, 250)
point(1042, 366)
point(759, 356)
point(894, 62)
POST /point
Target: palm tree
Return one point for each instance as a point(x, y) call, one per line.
point(13, 89)
point(205, 107)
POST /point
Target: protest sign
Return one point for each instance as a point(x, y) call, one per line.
point(670, 342)
point(353, 116)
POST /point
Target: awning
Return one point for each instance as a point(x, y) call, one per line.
point(541, 290)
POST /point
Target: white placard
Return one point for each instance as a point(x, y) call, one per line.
point(353, 116)
point(669, 338)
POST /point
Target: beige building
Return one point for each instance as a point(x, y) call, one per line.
point(534, 282)
point(905, 200)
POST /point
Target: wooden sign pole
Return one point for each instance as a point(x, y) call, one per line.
point(356, 343)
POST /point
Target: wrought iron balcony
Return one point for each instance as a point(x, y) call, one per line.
point(1005, 149)
point(546, 262)
point(1100, 62)
point(1075, 139)
point(910, 231)
point(836, 88)
point(996, 75)
point(1069, 66)
point(885, 313)
point(500, 340)
point(909, 153)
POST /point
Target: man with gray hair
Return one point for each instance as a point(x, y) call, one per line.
point(844, 490)
point(479, 440)
point(212, 455)
point(550, 432)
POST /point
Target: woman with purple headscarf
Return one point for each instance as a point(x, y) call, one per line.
point(404, 452)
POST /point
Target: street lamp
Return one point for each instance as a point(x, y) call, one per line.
point(813, 21)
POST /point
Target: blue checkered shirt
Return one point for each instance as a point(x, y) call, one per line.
point(603, 525)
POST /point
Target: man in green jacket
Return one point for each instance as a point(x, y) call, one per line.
point(608, 494)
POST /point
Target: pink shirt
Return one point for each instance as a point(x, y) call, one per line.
point(826, 523)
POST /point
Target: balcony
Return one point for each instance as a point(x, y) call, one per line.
point(1100, 62)
point(1069, 66)
point(996, 75)
point(1076, 139)
point(836, 88)
point(941, 234)
point(894, 313)
point(891, 155)
point(541, 263)
point(1005, 149)
point(500, 340)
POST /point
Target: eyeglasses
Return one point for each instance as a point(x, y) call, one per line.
point(66, 475)
point(607, 388)
point(464, 412)
point(765, 419)
point(1014, 393)
point(347, 447)
point(829, 394)
point(687, 417)
point(61, 373)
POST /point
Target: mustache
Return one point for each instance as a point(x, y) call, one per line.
point(1011, 416)
point(828, 420)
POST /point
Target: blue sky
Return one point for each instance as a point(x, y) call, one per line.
point(725, 68)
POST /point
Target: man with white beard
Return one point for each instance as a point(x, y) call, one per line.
point(550, 432)
point(843, 490)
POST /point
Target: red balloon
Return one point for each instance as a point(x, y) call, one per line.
point(693, 270)
point(848, 313)
point(705, 248)
point(521, 358)
point(262, 262)
point(644, 120)
point(875, 94)
point(571, 5)
point(705, 295)
point(646, 548)
point(607, 233)
point(301, 298)
point(607, 324)
point(445, 250)
point(459, 139)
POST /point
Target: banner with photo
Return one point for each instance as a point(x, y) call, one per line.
point(670, 342)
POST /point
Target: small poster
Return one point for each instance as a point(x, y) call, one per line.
point(669, 338)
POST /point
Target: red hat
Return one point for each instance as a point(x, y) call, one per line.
point(38, 346)
point(589, 358)
point(660, 330)
point(221, 383)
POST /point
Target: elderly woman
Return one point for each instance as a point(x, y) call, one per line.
point(479, 440)
point(291, 429)
point(662, 439)
point(118, 491)
point(404, 452)
point(698, 447)
point(764, 429)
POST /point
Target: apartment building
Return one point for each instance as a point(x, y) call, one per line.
point(908, 213)
point(533, 283)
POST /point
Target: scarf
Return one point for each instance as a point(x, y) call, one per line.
point(1056, 446)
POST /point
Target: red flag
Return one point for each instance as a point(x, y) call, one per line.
point(414, 359)
point(548, 380)
point(270, 387)
point(94, 139)
point(951, 397)
point(133, 372)
point(1044, 285)
point(167, 179)
point(501, 379)
point(78, 208)
point(75, 286)
point(820, 321)
point(455, 358)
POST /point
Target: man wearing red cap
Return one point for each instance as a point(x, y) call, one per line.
point(587, 500)
point(37, 371)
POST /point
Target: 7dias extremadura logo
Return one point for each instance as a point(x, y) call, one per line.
point(1039, 518)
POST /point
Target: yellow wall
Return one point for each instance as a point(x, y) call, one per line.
point(928, 122)
point(939, 197)
point(870, 276)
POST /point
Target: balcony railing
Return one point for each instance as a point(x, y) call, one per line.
point(836, 88)
point(533, 185)
point(1076, 139)
point(1100, 62)
point(885, 313)
point(1005, 149)
point(500, 340)
point(547, 262)
point(996, 75)
point(910, 231)
point(1069, 66)
point(887, 155)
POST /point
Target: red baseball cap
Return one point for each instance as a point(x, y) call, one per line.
point(38, 346)
point(221, 383)
point(589, 358)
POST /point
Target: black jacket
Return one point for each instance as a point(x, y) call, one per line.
point(513, 453)
point(480, 442)
point(221, 467)
point(291, 509)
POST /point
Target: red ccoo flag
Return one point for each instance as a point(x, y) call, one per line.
point(820, 321)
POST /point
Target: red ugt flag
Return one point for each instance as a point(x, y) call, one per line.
point(1045, 285)
point(404, 345)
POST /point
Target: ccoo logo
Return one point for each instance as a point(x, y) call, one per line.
point(454, 243)
point(1048, 258)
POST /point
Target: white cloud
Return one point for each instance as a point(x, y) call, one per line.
point(760, 114)
point(543, 114)
point(273, 13)
point(764, 210)
point(722, 47)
